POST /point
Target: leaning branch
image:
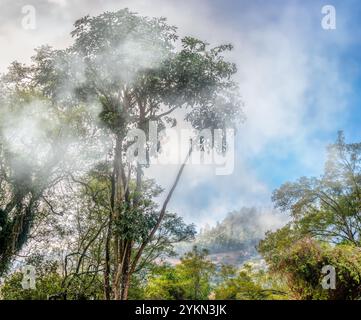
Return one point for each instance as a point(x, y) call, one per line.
point(162, 213)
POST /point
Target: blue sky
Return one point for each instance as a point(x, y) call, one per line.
point(327, 98)
point(300, 84)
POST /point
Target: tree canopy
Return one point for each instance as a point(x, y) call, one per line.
point(122, 72)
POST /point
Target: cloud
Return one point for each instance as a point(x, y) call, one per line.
point(290, 75)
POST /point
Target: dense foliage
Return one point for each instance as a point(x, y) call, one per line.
point(324, 230)
point(70, 168)
point(75, 206)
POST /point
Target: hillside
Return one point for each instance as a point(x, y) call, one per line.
point(234, 239)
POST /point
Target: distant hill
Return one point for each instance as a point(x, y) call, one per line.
point(234, 239)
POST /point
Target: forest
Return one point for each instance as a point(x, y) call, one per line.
point(80, 218)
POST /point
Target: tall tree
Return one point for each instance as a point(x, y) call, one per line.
point(136, 71)
point(324, 211)
point(328, 207)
